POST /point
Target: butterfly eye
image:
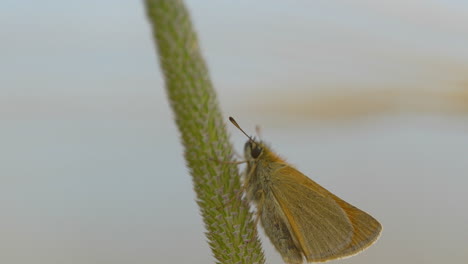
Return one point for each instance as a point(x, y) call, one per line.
point(255, 152)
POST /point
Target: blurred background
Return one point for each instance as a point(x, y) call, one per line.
point(368, 98)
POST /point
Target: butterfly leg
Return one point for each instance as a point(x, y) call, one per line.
point(238, 193)
point(244, 185)
point(258, 214)
point(261, 200)
point(229, 162)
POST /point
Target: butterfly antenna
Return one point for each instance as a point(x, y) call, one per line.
point(258, 130)
point(233, 121)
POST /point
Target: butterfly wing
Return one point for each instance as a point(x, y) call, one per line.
point(323, 226)
point(366, 229)
point(320, 228)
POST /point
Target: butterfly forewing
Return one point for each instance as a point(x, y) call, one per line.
point(318, 224)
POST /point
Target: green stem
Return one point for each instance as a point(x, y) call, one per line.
point(230, 230)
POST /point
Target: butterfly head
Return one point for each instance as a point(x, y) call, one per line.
point(253, 149)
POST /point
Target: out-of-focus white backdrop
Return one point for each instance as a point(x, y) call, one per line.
point(370, 99)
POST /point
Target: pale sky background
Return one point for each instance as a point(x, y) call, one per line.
point(368, 98)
